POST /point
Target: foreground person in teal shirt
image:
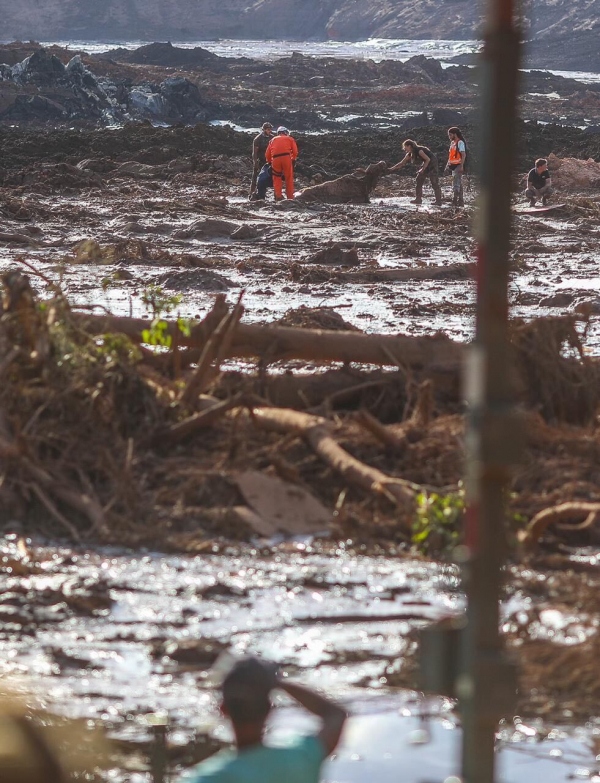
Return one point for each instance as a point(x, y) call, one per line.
point(247, 703)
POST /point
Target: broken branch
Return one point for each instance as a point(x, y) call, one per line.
point(317, 433)
point(549, 516)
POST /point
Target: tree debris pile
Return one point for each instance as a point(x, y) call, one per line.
point(102, 437)
point(574, 174)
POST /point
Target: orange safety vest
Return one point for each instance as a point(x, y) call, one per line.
point(282, 146)
point(454, 156)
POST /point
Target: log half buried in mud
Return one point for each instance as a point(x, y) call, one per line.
point(431, 272)
point(275, 343)
point(317, 432)
point(350, 189)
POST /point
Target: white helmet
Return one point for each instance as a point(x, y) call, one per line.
point(281, 129)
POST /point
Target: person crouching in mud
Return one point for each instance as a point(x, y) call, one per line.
point(246, 693)
point(281, 154)
point(417, 153)
point(539, 183)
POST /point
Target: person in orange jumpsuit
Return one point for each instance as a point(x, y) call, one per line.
point(281, 154)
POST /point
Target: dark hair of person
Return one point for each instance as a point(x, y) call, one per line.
point(457, 132)
point(246, 692)
point(541, 162)
point(414, 149)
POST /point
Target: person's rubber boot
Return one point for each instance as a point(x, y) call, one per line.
point(532, 202)
point(416, 201)
point(461, 200)
point(278, 198)
point(455, 200)
point(545, 201)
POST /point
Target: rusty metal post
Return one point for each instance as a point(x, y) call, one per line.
point(484, 675)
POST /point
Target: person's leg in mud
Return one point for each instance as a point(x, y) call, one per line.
point(457, 188)
point(421, 177)
point(264, 181)
point(277, 180)
point(288, 172)
point(434, 178)
point(545, 193)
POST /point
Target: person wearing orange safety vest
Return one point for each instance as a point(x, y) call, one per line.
point(456, 163)
point(281, 154)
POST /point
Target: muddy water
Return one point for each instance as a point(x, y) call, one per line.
point(373, 48)
point(112, 637)
point(556, 254)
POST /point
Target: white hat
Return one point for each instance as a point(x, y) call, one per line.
point(281, 129)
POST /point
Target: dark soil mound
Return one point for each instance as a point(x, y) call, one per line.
point(162, 54)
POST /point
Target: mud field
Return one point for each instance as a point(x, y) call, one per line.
point(224, 405)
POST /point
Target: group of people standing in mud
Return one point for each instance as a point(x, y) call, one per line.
point(274, 154)
point(429, 167)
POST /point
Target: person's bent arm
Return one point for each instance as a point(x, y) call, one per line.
point(332, 715)
point(402, 163)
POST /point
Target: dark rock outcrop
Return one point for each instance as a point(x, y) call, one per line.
point(43, 89)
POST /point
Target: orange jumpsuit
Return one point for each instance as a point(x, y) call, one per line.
point(281, 153)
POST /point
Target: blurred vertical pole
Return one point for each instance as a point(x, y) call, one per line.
point(490, 426)
point(159, 759)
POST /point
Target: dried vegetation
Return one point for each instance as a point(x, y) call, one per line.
point(103, 438)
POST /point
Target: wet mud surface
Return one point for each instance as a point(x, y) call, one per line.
point(108, 635)
point(166, 211)
point(113, 637)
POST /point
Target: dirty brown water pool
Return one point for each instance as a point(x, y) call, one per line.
point(112, 637)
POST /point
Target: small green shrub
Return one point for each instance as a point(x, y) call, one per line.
point(439, 517)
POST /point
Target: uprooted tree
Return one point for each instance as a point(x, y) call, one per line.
point(102, 436)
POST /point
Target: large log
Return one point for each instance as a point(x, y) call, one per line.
point(317, 432)
point(430, 272)
point(274, 343)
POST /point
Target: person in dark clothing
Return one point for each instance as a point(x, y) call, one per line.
point(264, 181)
point(418, 154)
point(539, 183)
point(259, 150)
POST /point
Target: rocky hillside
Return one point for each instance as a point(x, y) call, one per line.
point(564, 33)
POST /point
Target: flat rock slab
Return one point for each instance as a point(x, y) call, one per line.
point(281, 507)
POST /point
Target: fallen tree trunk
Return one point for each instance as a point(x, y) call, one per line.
point(378, 275)
point(316, 431)
point(275, 343)
point(450, 272)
